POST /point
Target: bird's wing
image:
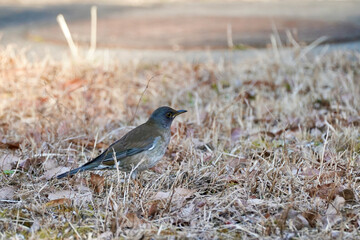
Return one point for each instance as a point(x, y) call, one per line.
point(106, 159)
point(134, 142)
point(142, 138)
point(125, 151)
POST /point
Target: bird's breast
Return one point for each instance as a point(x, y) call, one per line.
point(154, 155)
point(148, 158)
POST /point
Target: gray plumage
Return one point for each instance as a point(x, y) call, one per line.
point(139, 149)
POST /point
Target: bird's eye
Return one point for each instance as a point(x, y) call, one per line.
point(169, 115)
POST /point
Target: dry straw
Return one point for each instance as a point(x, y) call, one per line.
point(268, 148)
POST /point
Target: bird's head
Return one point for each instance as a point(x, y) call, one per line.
point(164, 116)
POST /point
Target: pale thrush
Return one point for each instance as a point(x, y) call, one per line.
point(139, 149)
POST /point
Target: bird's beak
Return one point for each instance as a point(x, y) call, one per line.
point(179, 112)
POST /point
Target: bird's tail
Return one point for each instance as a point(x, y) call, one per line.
point(93, 164)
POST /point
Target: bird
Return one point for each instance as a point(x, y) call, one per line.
point(139, 149)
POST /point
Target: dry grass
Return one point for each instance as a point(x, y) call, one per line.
point(268, 149)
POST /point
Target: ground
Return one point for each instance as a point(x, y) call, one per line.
point(269, 147)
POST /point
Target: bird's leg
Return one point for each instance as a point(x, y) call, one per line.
point(136, 181)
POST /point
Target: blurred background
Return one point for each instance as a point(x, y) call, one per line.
point(158, 29)
point(270, 145)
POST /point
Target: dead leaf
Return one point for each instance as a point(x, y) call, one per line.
point(161, 195)
point(51, 173)
point(312, 217)
point(330, 175)
point(131, 220)
point(7, 193)
point(82, 186)
point(200, 204)
point(78, 197)
point(325, 191)
point(325, 176)
point(348, 195)
point(8, 161)
point(58, 202)
point(300, 222)
point(267, 133)
point(73, 84)
point(310, 172)
point(333, 213)
point(97, 182)
point(9, 145)
point(207, 156)
point(61, 194)
point(153, 210)
point(113, 225)
point(31, 163)
point(235, 134)
point(238, 162)
point(353, 219)
point(50, 164)
point(180, 193)
point(321, 103)
point(187, 213)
